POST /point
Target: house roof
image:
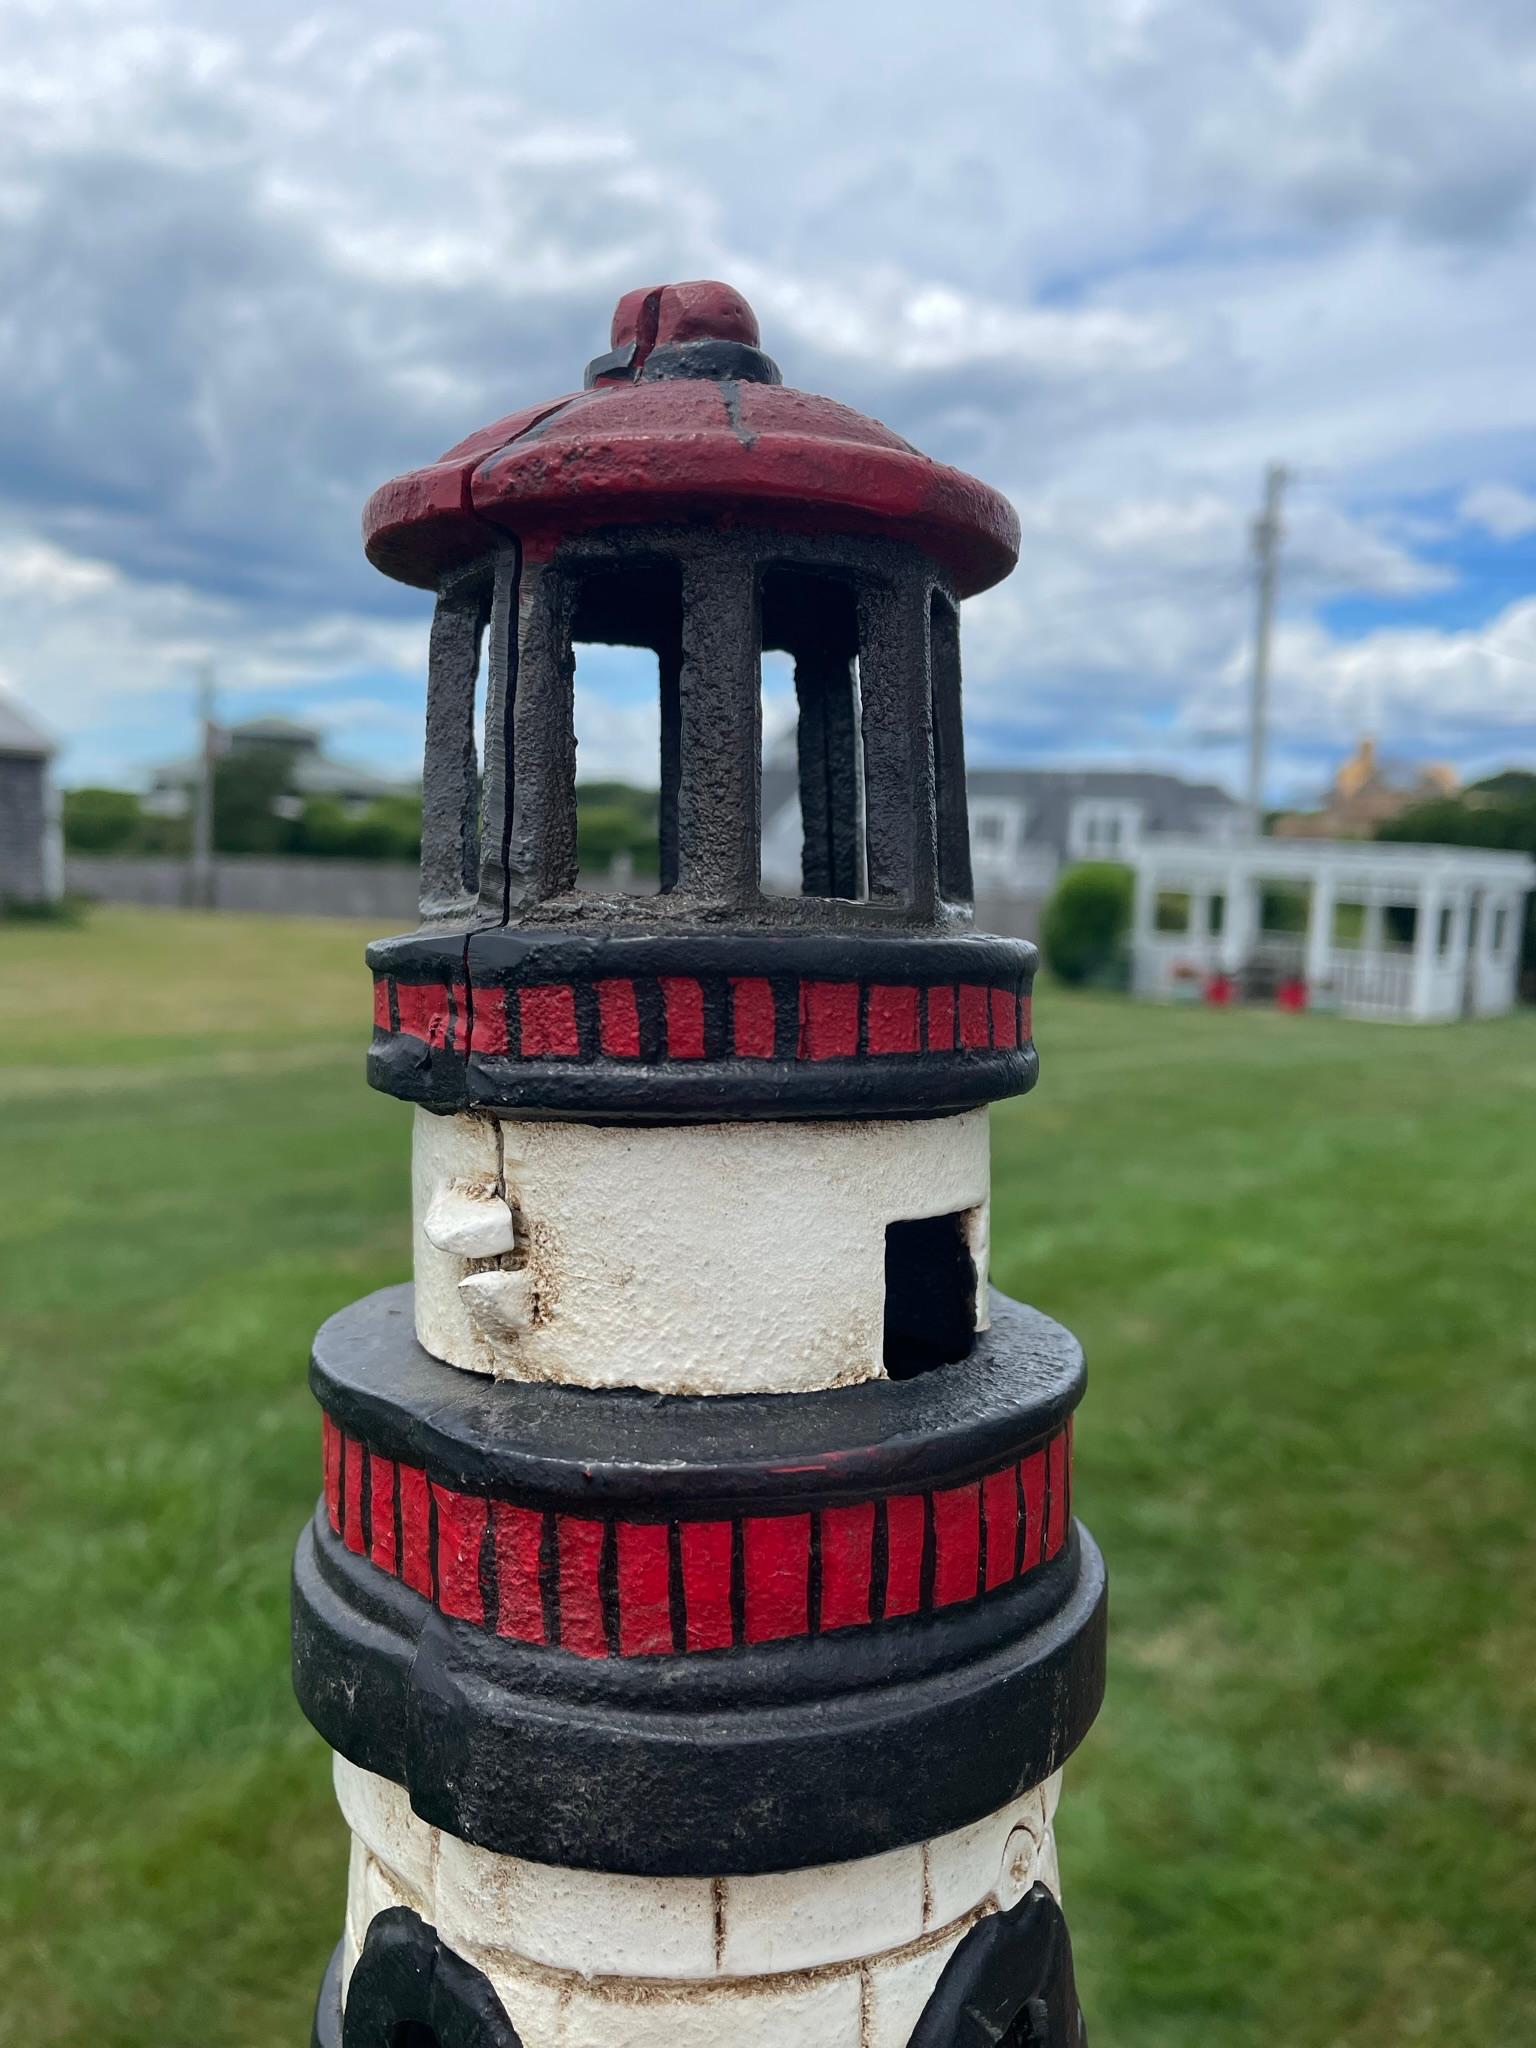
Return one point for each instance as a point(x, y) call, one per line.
point(1351, 862)
point(286, 729)
point(19, 737)
point(1134, 785)
point(314, 773)
point(1130, 783)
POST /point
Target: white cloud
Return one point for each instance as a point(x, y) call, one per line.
point(1501, 510)
point(1113, 254)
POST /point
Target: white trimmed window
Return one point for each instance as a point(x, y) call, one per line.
point(1102, 828)
point(997, 831)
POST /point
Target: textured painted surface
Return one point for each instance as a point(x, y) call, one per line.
point(710, 1259)
point(846, 1551)
point(831, 1020)
point(852, 1950)
point(687, 420)
point(618, 1587)
point(543, 1017)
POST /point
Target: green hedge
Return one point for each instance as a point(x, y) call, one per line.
point(1086, 921)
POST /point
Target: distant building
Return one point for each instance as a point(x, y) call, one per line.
point(1026, 823)
point(1367, 792)
point(315, 773)
point(1022, 818)
point(31, 846)
point(1369, 929)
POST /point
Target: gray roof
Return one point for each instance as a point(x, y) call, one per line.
point(288, 730)
point(1160, 793)
point(19, 736)
point(1145, 785)
point(314, 773)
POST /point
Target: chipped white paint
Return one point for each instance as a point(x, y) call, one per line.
point(450, 1152)
point(722, 1258)
point(470, 1220)
point(500, 1305)
point(844, 1955)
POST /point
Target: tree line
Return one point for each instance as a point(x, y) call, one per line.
point(256, 810)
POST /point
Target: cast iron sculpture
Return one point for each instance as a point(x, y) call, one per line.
point(695, 1605)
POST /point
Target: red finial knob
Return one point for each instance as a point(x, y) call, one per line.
point(703, 310)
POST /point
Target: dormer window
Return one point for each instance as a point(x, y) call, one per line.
point(997, 832)
point(1103, 828)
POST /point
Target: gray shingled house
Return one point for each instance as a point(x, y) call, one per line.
point(313, 771)
point(1026, 823)
point(31, 852)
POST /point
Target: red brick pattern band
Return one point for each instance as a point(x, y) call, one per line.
point(610, 1587)
point(673, 1018)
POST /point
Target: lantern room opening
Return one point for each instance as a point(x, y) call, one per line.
point(626, 711)
point(930, 1294)
point(814, 619)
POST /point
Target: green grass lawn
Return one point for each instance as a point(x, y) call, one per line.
point(1299, 1252)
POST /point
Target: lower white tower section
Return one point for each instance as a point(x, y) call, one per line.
point(845, 1955)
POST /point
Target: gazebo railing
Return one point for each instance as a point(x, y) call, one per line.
point(1372, 984)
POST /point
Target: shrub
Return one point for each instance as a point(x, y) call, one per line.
point(614, 818)
point(387, 829)
point(101, 820)
point(64, 910)
point(1086, 921)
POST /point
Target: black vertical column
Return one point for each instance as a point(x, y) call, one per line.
point(530, 810)
point(900, 829)
point(955, 885)
point(450, 789)
point(719, 794)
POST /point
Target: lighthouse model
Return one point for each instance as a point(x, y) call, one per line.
point(695, 1606)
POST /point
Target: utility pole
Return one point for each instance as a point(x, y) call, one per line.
point(1266, 549)
point(201, 877)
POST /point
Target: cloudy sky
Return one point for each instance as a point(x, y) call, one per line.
point(1114, 255)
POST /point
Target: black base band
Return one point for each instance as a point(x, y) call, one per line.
point(765, 1757)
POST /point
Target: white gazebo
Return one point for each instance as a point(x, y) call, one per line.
point(1368, 928)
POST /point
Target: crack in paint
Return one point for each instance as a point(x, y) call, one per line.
point(645, 331)
point(730, 396)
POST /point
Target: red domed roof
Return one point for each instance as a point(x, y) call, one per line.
point(685, 419)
